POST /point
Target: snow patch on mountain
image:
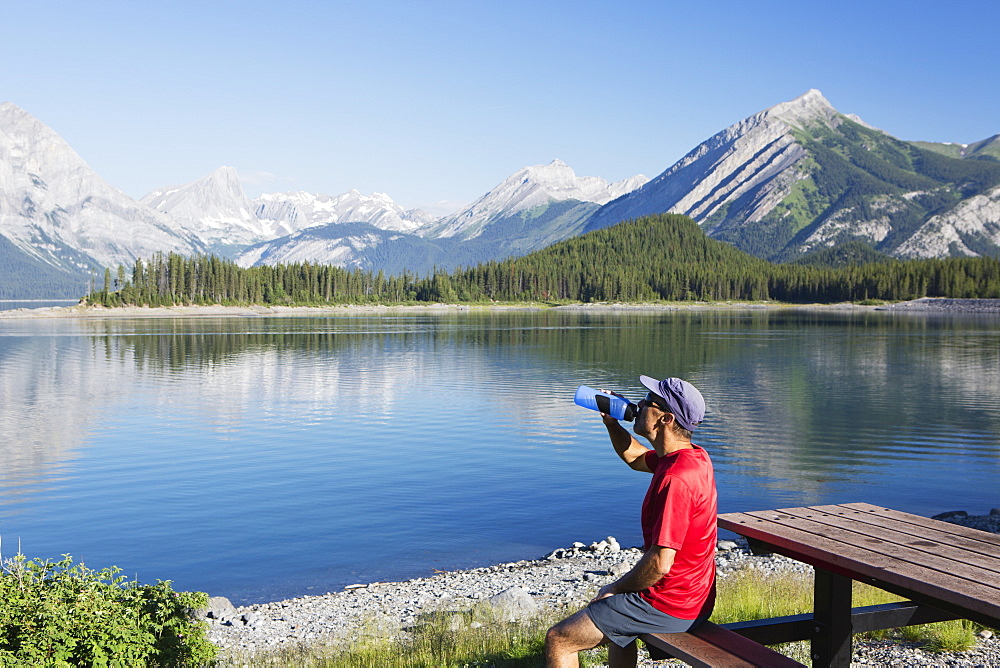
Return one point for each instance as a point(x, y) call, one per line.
point(528, 188)
point(298, 210)
point(316, 244)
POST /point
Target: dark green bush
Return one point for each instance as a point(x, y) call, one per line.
point(65, 614)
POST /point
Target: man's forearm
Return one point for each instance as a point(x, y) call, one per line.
point(622, 441)
point(654, 564)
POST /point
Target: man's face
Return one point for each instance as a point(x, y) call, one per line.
point(650, 409)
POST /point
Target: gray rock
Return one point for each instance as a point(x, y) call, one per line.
point(600, 547)
point(995, 511)
point(219, 607)
point(951, 514)
point(514, 603)
point(726, 545)
point(619, 569)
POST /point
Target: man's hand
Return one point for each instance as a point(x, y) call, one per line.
point(606, 591)
point(630, 450)
point(611, 422)
point(608, 420)
point(651, 567)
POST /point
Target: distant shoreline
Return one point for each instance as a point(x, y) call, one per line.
point(217, 310)
point(927, 305)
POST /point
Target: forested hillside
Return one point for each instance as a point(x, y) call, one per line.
point(25, 277)
point(657, 258)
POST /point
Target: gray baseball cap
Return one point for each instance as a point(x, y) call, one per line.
point(683, 399)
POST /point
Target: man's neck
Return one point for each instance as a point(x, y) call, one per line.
point(667, 447)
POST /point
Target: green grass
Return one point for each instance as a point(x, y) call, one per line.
point(475, 638)
point(955, 636)
point(752, 595)
point(478, 638)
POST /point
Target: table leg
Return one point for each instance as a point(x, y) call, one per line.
point(831, 646)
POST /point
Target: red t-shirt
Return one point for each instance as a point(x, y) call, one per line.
point(679, 512)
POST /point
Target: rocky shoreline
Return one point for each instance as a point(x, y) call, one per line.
point(944, 305)
point(96, 311)
point(927, 304)
point(565, 577)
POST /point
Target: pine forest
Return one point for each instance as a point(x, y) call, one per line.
point(657, 258)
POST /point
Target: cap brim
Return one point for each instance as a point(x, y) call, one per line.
point(651, 384)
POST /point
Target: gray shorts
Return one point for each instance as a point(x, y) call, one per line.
point(623, 617)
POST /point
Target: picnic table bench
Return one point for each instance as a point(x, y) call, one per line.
point(945, 571)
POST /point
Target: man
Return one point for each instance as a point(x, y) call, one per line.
point(672, 587)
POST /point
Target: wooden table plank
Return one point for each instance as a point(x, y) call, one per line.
point(877, 552)
point(982, 602)
point(816, 547)
point(975, 539)
point(916, 550)
point(967, 538)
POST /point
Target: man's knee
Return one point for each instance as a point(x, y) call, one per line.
point(574, 633)
point(557, 634)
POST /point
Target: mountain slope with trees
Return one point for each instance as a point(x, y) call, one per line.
point(802, 176)
point(987, 149)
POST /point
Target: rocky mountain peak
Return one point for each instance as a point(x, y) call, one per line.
point(56, 209)
point(811, 106)
point(226, 179)
point(743, 158)
point(11, 114)
point(215, 208)
point(530, 187)
point(27, 144)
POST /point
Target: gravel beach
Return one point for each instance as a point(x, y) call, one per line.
point(564, 577)
point(942, 305)
point(96, 311)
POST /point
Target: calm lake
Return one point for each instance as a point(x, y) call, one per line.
point(263, 458)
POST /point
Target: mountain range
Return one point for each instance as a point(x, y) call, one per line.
point(788, 182)
point(531, 209)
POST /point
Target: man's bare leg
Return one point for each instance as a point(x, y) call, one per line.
point(570, 636)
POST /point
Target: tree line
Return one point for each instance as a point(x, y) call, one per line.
point(665, 257)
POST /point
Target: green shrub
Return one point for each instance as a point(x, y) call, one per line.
point(65, 614)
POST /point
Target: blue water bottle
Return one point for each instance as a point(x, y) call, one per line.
point(595, 400)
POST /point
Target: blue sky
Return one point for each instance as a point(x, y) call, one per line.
point(440, 101)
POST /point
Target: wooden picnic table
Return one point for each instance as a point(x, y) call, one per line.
point(945, 570)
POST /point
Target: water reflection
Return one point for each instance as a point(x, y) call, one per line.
point(796, 396)
point(308, 441)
